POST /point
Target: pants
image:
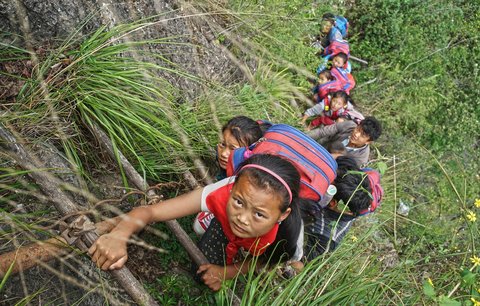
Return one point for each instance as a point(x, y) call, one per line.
point(212, 244)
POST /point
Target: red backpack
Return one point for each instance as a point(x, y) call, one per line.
point(377, 190)
point(317, 168)
point(335, 47)
point(346, 79)
point(329, 87)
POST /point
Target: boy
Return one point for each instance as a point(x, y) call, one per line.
point(328, 29)
point(355, 138)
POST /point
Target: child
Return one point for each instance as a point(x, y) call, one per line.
point(339, 52)
point(326, 227)
point(239, 131)
point(326, 84)
point(329, 29)
point(356, 137)
point(256, 210)
point(336, 149)
point(340, 61)
point(332, 107)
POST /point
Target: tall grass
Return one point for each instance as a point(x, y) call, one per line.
point(102, 81)
point(421, 66)
point(414, 61)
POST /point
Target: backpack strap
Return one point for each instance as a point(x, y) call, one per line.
point(236, 158)
point(326, 103)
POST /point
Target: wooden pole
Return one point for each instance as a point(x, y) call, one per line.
point(197, 256)
point(28, 256)
point(52, 187)
point(358, 60)
point(134, 177)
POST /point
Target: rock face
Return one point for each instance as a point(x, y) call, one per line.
point(47, 22)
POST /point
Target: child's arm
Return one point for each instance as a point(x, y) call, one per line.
point(323, 64)
point(330, 130)
point(110, 250)
point(315, 110)
point(304, 119)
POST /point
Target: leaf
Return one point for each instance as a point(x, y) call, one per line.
point(5, 277)
point(445, 301)
point(468, 277)
point(382, 167)
point(428, 289)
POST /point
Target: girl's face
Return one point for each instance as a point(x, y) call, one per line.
point(338, 62)
point(322, 79)
point(252, 212)
point(225, 147)
point(337, 103)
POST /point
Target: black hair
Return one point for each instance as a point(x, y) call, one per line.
point(353, 186)
point(344, 96)
point(371, 127)
point(342, 56)
point(329, 17)
point(346, 164)
point(245, 130)
point(289, 229)
point(327, 73)
point(264, 125)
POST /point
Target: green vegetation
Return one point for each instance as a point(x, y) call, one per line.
point(422, 82)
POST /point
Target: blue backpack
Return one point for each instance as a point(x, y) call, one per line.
point(341, 23)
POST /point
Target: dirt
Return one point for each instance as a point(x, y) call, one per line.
point(10, 86)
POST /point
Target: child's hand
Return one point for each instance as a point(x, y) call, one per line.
point(109, 252)
point(212, 275)
point(304, 119)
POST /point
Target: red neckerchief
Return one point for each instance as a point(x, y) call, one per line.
point(217, 204)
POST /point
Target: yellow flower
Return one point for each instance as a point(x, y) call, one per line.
point(475, 302)
point(475, 260)
point(471, 216)
point(429, 280)
point(477, 203)
point(354, 239)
